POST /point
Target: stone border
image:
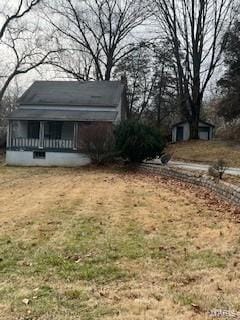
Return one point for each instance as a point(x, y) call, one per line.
point(225, 190)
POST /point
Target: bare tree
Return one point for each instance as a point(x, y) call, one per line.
point(23, 44)
point(195, 29)
point(151, 86)
point(21, 9)
point(71, 63)
point(97, 30)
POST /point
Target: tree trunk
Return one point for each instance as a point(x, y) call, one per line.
point(109, 67)
point(194, 124)
point(108, 74)
point(195, 107)
point(194, 130)
point(158, 110)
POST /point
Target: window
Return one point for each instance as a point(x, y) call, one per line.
point(39, 155)
point(33, 129)
point(53, 130)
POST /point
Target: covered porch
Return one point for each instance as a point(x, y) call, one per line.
point(45, 135)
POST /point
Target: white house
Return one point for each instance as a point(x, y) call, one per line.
point(45, 129)
point(181, 131)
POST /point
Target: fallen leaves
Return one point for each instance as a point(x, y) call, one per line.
point(26, 301)
point(211, 199)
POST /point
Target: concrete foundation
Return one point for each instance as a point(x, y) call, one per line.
point(54, 159)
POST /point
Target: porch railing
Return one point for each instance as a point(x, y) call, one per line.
point(25, 143)
point(45, 143)
point(58, 143)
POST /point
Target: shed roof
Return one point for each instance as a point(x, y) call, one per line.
point(73, 93)
point(200, 121)
point(62, 115)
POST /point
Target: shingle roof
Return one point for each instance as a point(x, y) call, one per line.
point(62, 115)
point(73, 93)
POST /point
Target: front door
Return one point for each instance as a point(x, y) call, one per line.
point(179, 133)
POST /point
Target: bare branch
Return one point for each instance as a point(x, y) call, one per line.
point(19, 13)
point(195, 29)
point(101, 27)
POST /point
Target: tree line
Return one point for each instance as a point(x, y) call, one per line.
point(166, 51)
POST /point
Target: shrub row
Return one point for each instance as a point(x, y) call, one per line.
point(131, 140)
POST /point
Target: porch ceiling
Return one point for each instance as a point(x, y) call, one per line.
point(62, 115)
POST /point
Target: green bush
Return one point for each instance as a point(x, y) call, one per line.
point(136, 141)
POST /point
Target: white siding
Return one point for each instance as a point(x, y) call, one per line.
point(64, 159)
point(186, 132)
point(174, 134)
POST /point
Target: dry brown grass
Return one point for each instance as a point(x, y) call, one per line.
point(103, 244)
point(206, 151)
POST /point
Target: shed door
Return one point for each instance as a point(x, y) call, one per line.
point(204, 133)
point(180, 133)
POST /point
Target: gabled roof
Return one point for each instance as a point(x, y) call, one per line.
point(73, 93)
point(200, 121)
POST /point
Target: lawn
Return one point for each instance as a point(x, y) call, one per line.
point(105, 244)
point(206, 151)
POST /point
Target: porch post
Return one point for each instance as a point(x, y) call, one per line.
point(9, 134)
point(41, 135)
point(75, 136)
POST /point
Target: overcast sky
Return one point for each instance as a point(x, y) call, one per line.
point(46, 72)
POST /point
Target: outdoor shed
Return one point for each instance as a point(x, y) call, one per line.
point(181, 131)
point(46, 129)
